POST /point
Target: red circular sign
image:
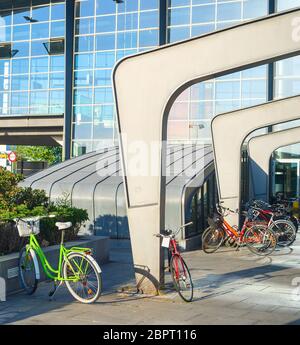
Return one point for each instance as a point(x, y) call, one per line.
point(12, 157)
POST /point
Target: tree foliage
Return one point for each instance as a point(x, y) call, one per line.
point(51, 155)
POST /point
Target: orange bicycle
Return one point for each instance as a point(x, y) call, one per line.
point(257, 237)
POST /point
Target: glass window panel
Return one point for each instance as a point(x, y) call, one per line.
point(56, 99)
point(19, 111)
point(148, 4)
point(125, 52)
point(105, 42)
point(83, 96)
point(179, 111)
point(178, 129)
point(127, 21)
point(57, 11)
point(179, 16)
point(4, 67)
point(40, 13)
point(102, 77)
point(105, 24)
point(21, 49)
point(254, 88)
point(148, 38)
point(19, 99)
point(104, 113)
point(198, 30)
point(202, 110)
point(21, 32)
point(39, 64)
point(21, 16)
point(84, 26)
point(226, 106)
point(84, 8)
point(105, 7)
point(83, 78)
point(128, 6)
point(105, 59)
point(39, 81)
point(5, 33)
point(5, 18)
point(38, 48)
point(57, 63)
point(20, 82)
point(287, 87)
point(203, 14)
point(40, 30)
point(20, 66)
point(83, 61)
point(103, 95)
point(84, 43)
point(257, 72)
point(255, 8)
point(82, 131)
point(127, 39)
point(83, 113)
point(178, 34)
point(103, 130)
point(173, 3)
point(288, 67)
point(227, 90)
point(251, 102)
point(5, 83)
point(203, 91)
point(287, 4)
point(56, 80)
point(58, 29)
point(149, 19)
point(230, 11)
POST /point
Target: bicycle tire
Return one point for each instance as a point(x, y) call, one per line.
point(184, 278)
point(210, 233)
point(264, 239)
point(85, 285)
point(24, 267)
point(285, 231)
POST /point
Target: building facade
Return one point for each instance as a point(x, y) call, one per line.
point(56, 64)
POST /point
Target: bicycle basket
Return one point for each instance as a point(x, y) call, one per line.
point(28, 226)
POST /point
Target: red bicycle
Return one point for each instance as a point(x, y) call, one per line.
point(180, 272)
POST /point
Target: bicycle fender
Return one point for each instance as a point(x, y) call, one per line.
point(36, 264)
point(95, 263)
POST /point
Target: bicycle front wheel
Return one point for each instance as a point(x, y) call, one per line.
point(182, 279)
point(260, 240)
point(27, 271)
point(82, 276)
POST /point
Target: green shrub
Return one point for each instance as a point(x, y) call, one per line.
point(19, 202)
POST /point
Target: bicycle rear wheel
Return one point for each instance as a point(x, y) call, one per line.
point(82, 277)
point(27, 271)
point(285, 232)
point(212, 239)
point(260, 240)
point(182, 279)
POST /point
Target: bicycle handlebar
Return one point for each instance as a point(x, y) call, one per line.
point(171, 231)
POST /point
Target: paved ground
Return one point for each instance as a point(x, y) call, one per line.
point(231, 288)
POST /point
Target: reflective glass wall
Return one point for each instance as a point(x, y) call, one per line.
point(32, 57)
point(192, 112)
point(105, 32)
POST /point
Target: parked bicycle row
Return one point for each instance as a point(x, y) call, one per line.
point(264, 227)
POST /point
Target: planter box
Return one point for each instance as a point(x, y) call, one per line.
point(9, 263)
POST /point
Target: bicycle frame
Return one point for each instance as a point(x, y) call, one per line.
point(52, 273)
point(175, 252)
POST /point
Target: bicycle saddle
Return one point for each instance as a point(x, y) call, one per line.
point(63, 226)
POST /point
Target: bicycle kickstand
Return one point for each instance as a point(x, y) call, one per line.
point(53, 292)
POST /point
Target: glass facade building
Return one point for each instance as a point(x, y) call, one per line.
point(35, 45)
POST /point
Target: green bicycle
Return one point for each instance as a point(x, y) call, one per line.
point(76, 266)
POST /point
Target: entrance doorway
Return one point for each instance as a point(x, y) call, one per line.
point(286, 178)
